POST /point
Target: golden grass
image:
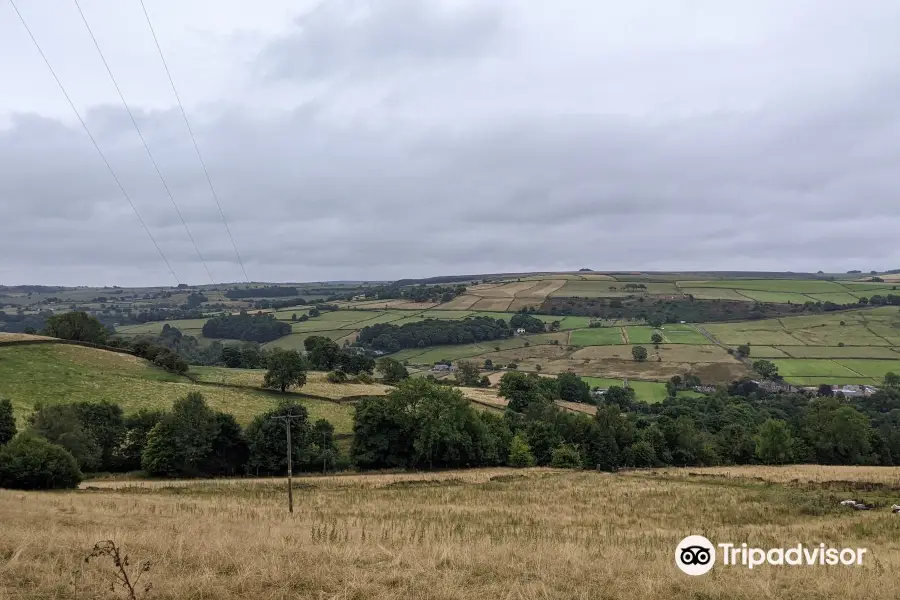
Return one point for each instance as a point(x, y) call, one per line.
point(317, 383)
point(799, 473)
point(486, 534)
point(20, 337)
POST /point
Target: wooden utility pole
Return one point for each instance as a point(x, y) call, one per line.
point(288, 419)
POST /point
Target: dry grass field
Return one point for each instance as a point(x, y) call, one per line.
point(467, 535)
point(20, 337)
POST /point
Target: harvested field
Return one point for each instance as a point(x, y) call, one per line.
point(506, 290)
point(459, 303)
point(499, 304)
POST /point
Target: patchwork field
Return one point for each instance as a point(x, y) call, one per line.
point(54, 373)
point(457, 535)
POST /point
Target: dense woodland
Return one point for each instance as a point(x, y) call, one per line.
point(432, 332)
point(251, 328)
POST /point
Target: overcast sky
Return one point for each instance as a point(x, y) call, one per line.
point(380, 139)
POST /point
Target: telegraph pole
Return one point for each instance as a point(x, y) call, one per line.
point(288, 419)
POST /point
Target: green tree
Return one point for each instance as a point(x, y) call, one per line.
point(322, 353)
point(520, 453)
point(565, 456)
point(891, 379)
point(522, 391)
point(137, 428)
point(488, 364)
point(7, 421)
point(743, 350)
point(393, 372)
point(774, 442)
point(838, 434)
point(78, 326)
point(484, 382)
point(656, 339)
point(639, 353)
point(766, 368)
point(182, 442)
point(267, 440)
point(324, 448)
point(287, 369)
point(641, 455)
point(30, 462)
point(623, 397)
point(467, 373)
point(572, 388)
point(61, 424)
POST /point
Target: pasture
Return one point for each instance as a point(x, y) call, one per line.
point(457, 535)
point(56, 373)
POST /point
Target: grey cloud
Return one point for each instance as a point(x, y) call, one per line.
point(457, 175)
point(369, 37)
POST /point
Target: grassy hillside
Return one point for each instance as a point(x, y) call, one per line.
point(59, 373)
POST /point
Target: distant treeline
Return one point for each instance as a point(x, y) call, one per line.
point(251, 328)
point(692, 310)
point(277, 304)
point(273, 291)
point(417, 293)
point(432, 332)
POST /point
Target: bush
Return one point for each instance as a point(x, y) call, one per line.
point(365, 378)
point(565, 456)
point(30, 462)
point(7, 421)
point(336, 377)
point(520, 453)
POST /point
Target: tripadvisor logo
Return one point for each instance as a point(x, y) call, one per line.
point(696, 555)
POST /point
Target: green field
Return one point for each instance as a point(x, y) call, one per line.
point(800, 286)
point(777, 297)
point(295, 341)
point(811, 367)
point(865, 352)
point(646, 391)
point(872, 368)
point(683, 334)
point(640, 335)
point(61, 373)
point(597, 336)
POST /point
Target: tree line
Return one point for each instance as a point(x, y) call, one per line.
point(272, 291)
point(416, 293)
point(432, 332)
point(422, 424)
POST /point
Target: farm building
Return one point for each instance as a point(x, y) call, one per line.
point(442, 368)
point(775, 387)
point(520, 331)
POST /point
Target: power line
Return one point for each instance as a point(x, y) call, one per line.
point(93, 141)
point(194, 140)
point(143, 141)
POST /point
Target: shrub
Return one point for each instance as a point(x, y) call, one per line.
point(7, 421)
point(336, 377)
point(30, 462)
point(520, 453)
point(365, 378)
point(565, 456)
